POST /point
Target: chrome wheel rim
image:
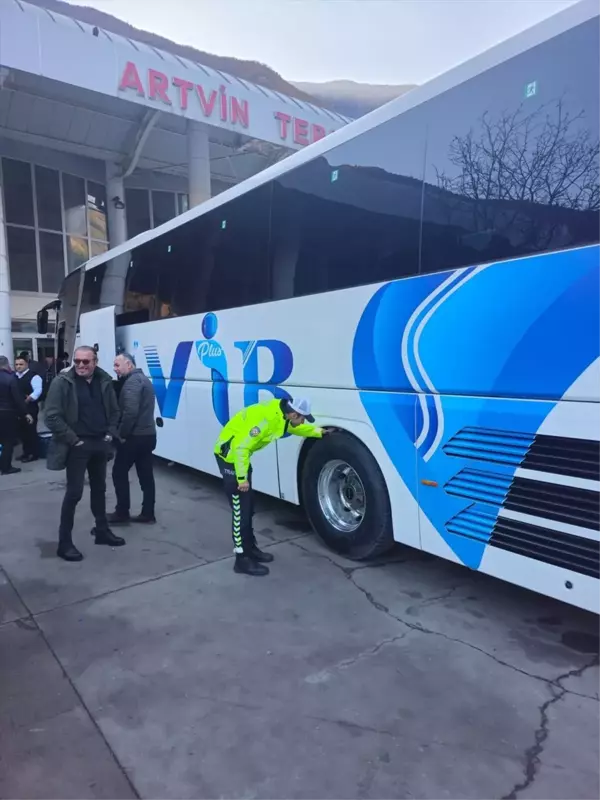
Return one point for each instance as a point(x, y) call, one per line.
point(342, 496)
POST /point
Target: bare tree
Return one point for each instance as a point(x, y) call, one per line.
point(546, 157)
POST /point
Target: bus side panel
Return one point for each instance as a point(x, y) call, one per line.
point(493, 353)
point(543, 578)
point(345, 409)
point(199, 385)
point(500, 478)
point(97, 330)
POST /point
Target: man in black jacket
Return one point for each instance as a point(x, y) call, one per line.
point(12, 407)
point(30, 386)
point(82, 414)
point(137, 440)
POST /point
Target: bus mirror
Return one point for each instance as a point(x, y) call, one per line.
point(42, 321)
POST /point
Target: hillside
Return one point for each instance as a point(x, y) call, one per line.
point(252, 71)
point(350, 98)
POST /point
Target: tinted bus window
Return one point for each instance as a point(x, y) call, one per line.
point(217, 261)
point(237, 251)
point(513, 169)
point(352, 216)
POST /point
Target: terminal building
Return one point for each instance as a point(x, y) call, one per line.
point(103, 137)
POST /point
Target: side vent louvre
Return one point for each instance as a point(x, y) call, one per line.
point(483, 487)
point(578, 458)
point(507, 482)
point(554, 501)
point(473, 523)
point(559, 549)
point(481, 444)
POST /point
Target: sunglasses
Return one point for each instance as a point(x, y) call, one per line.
point(84, 361)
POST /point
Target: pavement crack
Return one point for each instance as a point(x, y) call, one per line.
point(324, 674)
point(404, 734)
point(348, 572)
point(430, 601)
point(203, 562)
point(31, 624)
point(533, 753)
point(177, 545)
point(348, 662)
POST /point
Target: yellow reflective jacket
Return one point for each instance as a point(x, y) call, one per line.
point(253, 428)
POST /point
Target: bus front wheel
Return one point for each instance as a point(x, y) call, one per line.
point(345, 497)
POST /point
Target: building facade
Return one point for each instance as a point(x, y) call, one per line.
point(102, 137)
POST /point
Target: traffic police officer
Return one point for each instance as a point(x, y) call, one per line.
point(248, 431)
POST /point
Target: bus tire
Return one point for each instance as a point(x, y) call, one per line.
point(332, 497)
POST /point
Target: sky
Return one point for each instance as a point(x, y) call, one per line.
point(370, 41)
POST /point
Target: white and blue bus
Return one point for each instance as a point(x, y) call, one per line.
point(429, 277)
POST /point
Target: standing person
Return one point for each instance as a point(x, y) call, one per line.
point(137, 441)
point(82, 414)
point(49, 375)
point(30, 386)
point(12, 407)
point(248, 431)
point(62, 363)
point(35, 366)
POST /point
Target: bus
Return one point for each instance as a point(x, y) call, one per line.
point(429, 277)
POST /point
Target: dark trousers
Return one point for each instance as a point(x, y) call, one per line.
point(137, 450)
point(90, 457)
point(242, 509)
point(28, 433)
point(8, 432)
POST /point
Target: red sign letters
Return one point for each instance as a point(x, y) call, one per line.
point(227, 107)
point(299, 128)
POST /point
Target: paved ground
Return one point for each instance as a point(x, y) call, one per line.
point(154, 671)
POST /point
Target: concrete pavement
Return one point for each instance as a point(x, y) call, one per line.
point(153, 671)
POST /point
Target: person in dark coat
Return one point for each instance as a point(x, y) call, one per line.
point(35, 366)
point(31, 387)
point(12, 408)
point(63, 362)
point(83, 415)
point(136, 441)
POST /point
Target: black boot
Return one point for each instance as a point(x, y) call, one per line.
point(118, 519)
point(10, 471)
point(260, 556)
point(145, 519)
point(107, 537)
point(244, 565)
point(67, 550)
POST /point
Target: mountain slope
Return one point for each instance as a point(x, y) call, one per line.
point(351, 98)
point(252, 71)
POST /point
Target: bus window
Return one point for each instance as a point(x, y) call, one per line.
point(351, 217)
point(515, 171)
point(240, 251)
point(217, 261)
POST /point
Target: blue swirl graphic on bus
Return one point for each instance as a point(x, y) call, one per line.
point(433, 357)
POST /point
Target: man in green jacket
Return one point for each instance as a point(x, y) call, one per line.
point(246, 433)
point(82, 414)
